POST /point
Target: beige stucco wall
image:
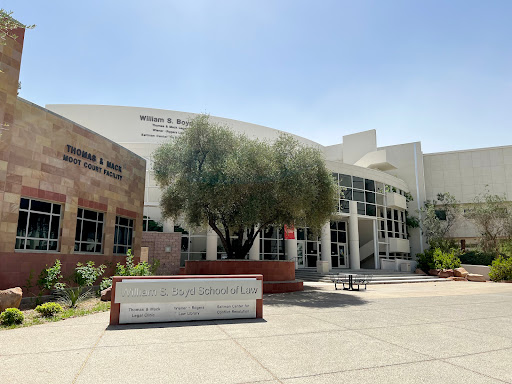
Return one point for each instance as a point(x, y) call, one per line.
point(465, 174)
point(408, 160)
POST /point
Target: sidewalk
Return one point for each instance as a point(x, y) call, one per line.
point(450, 332)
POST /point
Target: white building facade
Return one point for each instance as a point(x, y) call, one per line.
point(382, 185)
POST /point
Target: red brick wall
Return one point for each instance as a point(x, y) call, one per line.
point(16, 266)
point(271, 270)
point(156, 242)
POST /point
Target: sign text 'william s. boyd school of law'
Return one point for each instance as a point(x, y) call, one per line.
point(161, 300)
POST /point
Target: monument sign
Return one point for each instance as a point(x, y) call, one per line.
point(145, 299)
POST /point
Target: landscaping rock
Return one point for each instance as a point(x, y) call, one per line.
point(106, 294)
point(446, 273)
point(10, 298)
point(419, 272)
point(460, 272)
point(434, 272)
point(457, 278)
point(476, 277)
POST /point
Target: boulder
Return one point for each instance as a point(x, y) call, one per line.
point(419, 272)
point(460, 272)
point(434, 272)
point(476, 277)
point(10, 298)
point(106, 294)
point(446, 273)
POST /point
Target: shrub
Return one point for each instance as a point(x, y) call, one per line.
point(49, 309)
point(86, 274)
point(446, 260)
point(477, 258)
point(436, 258)
point(73, 296)
point(49, 277)
point(425, 260)
point(501, 269)
point(11, 316)
point(129, 269)
point(105, 283)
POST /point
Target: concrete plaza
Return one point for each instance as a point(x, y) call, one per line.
point(448, 332)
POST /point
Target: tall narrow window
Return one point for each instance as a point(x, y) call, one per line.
point(38, 225)
point(89, 231)
point(123, 235)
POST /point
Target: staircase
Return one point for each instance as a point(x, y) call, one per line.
point(379, 276)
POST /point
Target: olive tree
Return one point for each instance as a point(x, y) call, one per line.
point(8, 26)
point(211, 176)
point(492, 215)
point(438, 217)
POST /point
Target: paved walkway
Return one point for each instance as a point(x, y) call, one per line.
point(450, 332)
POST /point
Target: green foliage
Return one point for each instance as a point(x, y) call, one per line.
point(445, 260)
point(501, 269)
point(11, 316)
point(49, 309)
point(492, 215)
point(408, 197)
point(446, 245)
point(73, 296)
point(239, 186)
point(8, 24)
point(425, 259)
point(152, 225)
point(130, 269)
point(412, 222)
point(438, 216)
point(506, 248)
point(477, 258)
point(105, 283)
point(49, 277)
point(438, 258)
point(86, 274)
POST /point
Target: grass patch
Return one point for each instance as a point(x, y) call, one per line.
point(87, 307)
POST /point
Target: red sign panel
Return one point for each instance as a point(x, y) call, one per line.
point(289, 232)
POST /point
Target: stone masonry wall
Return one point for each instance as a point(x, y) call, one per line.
point(37, 161)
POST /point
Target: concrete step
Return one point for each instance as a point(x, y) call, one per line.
point(379, 277)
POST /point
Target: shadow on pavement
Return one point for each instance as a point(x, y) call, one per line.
point(313, 297)
point(178, 324)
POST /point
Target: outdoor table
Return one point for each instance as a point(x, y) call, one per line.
point(345, 278)
point(350, 281)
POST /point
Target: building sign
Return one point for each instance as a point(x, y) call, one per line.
point(161, 300)
point(91, 161)
point(163, 127)
point(289, 232)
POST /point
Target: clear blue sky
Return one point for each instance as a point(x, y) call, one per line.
point(439, 72)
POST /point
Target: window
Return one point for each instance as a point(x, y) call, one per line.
point(149, 225)
point(123, 235)
point(346, 181)
point(89, 231)
point(396, 224)
point(272, 244)
point(38, 225)
point(358, 182)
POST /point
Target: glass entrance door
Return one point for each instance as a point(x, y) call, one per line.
point(300, 254)
point(342, 256)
